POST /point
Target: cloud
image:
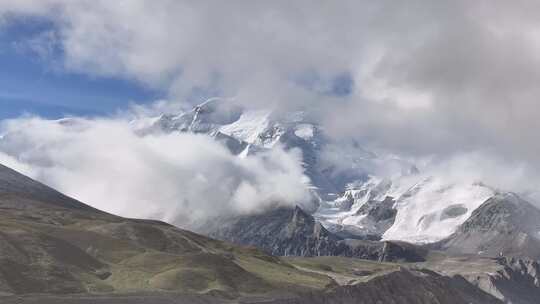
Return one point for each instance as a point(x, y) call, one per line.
point(185, 179)
point(490, 169)
point(427, 77)
point(424, 78)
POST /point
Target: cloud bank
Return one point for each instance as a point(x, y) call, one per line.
point(420, 77)
point(453, 81)
point(184, 179)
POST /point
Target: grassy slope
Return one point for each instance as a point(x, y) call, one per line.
point(46, 249)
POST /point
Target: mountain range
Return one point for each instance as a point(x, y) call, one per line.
point(54, 249)
point(376, 230)
point(358, 194)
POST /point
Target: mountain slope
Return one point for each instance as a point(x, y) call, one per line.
point(511, 280)
point(13, 183)
point(66, 252)
point(414, 208)
point(504, 224)
point(293, 232)
point(52, 244)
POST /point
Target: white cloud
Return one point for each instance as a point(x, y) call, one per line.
point(439, 78)
point(441, 69)
point(180, 178)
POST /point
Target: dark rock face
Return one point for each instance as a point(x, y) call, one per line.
point(346, 203)
point(379, 211)
point(378, 217)
point(287, 232)
point(281, 232)
point(504, 224)
point(519, 281)
point(453, 211)
point(400, 251)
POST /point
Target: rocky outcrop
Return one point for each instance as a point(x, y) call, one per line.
point(293, 232)
point(379, 210)
point(282, 231)
point(517, 281)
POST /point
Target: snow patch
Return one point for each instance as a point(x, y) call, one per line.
point(248, 126)
point(304, 131)
point(420, 210)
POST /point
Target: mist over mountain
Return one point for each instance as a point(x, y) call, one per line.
point(435, 85)
point(351, 151)
point(416, 78)
point(180, 178)
point(222, 160)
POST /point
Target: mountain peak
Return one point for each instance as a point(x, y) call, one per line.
point(504, 224)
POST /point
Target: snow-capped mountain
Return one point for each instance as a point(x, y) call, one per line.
point(409, 208)
point(247, 132)
point(505, 224)
point(401, 204)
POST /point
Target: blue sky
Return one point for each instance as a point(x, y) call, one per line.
point(35, 85)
